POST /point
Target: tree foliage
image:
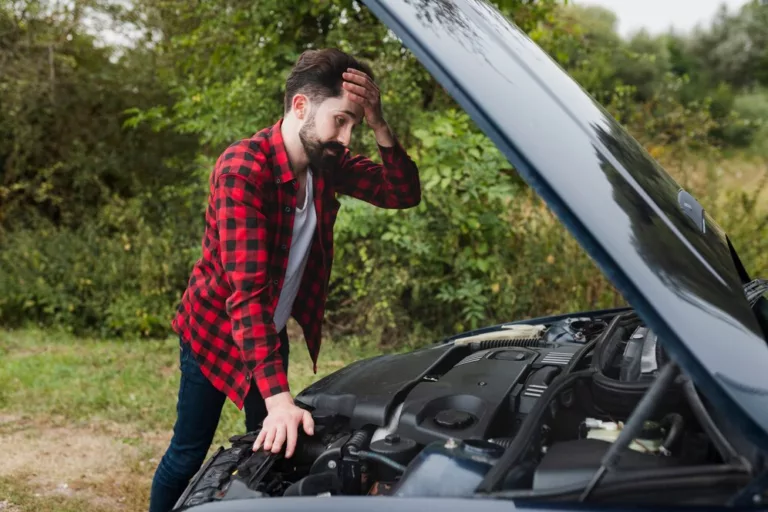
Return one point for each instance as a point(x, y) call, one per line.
point(105, 151)
point(63, 150)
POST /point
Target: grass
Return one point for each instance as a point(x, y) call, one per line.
point(120, 381)
point(119, 394)
point(15, 496)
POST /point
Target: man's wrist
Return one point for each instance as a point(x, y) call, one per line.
point(278, 400)
point(383, 134)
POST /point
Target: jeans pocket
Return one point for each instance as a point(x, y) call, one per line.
point(190, 368)
point(183, 353)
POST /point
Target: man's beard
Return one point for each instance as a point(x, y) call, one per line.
point(317, 151)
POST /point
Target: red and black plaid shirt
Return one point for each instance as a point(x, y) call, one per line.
point(226, 313)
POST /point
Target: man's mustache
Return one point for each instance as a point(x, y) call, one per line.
point(335, 147)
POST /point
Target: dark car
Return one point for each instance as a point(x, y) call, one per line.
point(662, 404)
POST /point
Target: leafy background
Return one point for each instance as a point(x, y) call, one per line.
point(105, 149)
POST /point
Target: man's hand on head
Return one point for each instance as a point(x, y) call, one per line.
point(282, 425)
point(364, 91)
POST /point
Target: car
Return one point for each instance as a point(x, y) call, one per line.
point(661, 404)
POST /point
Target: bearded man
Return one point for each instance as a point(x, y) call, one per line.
point(267, 250)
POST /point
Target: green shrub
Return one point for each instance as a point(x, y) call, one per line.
point(117, 275)
point(752, 111)
point(480, 247)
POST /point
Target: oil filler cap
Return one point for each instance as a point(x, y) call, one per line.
point(453, 419)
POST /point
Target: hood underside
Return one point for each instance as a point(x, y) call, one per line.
point(667, 257)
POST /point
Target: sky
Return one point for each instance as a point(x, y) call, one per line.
point(658, 15)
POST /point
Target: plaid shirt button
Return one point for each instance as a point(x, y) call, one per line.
point(287, 209)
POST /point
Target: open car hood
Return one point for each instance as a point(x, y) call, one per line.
point(669, 259)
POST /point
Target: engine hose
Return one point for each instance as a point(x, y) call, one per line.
point(358, 441)
point(675, 422)
point(606, 336)
point(351, 471)
point(312, 485)
point(724, 448)
point(597, 342)
point(615, 386)
point(521, 442)
point(364, 454)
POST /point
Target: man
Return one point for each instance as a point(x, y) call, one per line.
point(267, 255)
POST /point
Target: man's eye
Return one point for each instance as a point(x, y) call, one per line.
point(340, 121)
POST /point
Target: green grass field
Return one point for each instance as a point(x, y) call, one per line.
point(83, 422)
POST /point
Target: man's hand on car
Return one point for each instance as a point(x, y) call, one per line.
point(282, 425)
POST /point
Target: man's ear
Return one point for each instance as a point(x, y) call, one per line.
point(300, 106)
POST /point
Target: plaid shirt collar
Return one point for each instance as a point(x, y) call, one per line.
point(278, 155)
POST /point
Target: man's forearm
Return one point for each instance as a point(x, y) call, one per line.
point(384, 136)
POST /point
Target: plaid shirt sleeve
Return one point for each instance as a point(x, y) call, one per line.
point(242, 233)
point(392, 184)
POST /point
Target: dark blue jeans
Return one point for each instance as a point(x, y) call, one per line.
point(198, 410)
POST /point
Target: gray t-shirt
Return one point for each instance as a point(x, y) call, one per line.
point(303, 231)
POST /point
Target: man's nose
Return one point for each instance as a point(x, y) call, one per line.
point(345, 136)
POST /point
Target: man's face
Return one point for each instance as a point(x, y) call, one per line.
point(327, 129)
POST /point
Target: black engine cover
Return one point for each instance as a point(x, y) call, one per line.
point(445, 391)
point(365, 391)
point(465, 401)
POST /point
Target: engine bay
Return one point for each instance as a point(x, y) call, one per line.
point(519, 411)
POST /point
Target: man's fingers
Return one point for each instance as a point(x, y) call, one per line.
point(291, 440)
point(357, 89)
point(365, 102)
point(356, 73)
point(279, 437)
point(270, 438)
point(259, 440)
point(363, 82)
point(358, 76)
point(355, 78)
point(309, 423)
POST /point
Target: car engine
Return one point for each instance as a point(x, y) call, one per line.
point(519, 408)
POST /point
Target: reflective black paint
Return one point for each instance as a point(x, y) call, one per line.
point(616, 200)
point(371, 504)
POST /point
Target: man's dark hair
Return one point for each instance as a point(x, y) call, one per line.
point(318, 75)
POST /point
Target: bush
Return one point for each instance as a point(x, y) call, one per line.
point(480, 247)
point(119, 275)
point(752, 111)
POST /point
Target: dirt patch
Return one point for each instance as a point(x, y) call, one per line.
point(6, 506)
point(9, 421)
point(108, 465)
